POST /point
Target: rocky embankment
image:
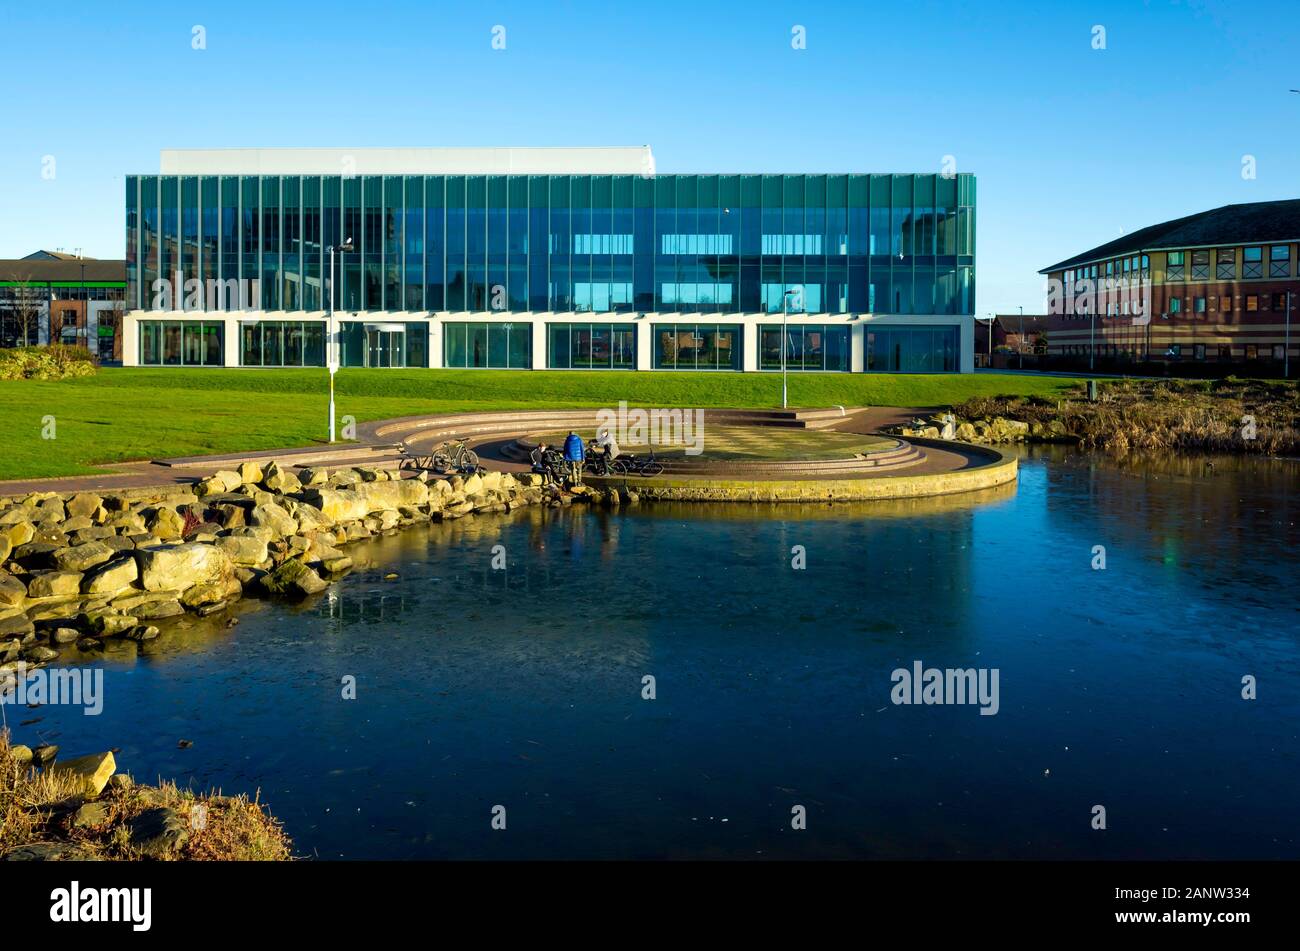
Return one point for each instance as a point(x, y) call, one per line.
point(989, 430)
point(80, 569)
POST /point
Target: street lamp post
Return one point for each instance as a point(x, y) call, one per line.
point(331, 344)
point(785, 316)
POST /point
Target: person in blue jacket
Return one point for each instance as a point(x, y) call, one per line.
point(575, 454)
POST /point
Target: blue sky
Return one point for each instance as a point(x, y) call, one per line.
point(1072, 146)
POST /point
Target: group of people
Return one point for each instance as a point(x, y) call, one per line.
point(575, 457)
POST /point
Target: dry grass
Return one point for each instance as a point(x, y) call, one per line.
point(36, 807)
point(1168, 415)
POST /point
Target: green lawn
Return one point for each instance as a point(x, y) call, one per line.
point(126, 414)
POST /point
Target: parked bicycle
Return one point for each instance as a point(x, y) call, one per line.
point(454, 456)
point(631, 464)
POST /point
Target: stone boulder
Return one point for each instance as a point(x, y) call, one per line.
point(280, 480)
point(86, 504)
point(92, 772)
point(12, 591)
point(339, 505)
point(250, 473)
point(166, 523)
point(383, 496)
point(293, 579)
point(177, 567)
point(275, 518)
point(54, 584)
point(112, 577)
point(82, 557)
point(246, 550)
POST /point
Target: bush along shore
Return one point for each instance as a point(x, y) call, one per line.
point(1227, 416)
point(77, 571)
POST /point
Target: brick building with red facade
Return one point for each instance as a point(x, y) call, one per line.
point(1217, 287)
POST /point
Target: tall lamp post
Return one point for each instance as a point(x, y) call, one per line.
point(331, 344)
point(785, 316)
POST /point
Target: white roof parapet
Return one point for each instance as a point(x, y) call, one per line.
point(611, 160)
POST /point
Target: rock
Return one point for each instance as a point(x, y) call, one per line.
point(65, 635)
point(22, 755)
point(166, 523)
point(250, 473)
point(159, 832)
point(244, 550)
point(313, 476)
point(339, 505)
point(85, 504)
point(13, 593)
point(230, 516)
point(89, 815)
point(144, 633)
point(90, 644)
point(212, 593)
point(160, 609)
point(93, 771)
point(78, 523)
point(54, 584)
point(50, 852)
point(127, 523)
point(35, 555)
point(335, 565)
point(44, 754)
point(40, 654)
point(111, 577)
point(280, 480)
point(107, 623)
point(178, 567)
point(275, 518)
point(293, 579)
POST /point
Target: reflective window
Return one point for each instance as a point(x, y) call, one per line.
point(807, 347)
point(591, 346)
point(912, 350)
point(505, 345)
point(697, 346)
point(181, 343)
point(282, 343)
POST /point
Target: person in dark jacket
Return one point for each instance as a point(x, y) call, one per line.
point(574, 454)
point(538, 459)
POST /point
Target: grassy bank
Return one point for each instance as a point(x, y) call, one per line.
point(1229, 415)
point(49, 813)
point(126, 414)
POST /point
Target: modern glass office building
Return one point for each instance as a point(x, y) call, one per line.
point(543, 258)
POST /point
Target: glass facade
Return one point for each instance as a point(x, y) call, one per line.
point(386, 345)
point(282, 343)
point(482, 344)
point(807, 347)
point(913, 350)
point(697, 347)
point(176, 343)
point(835, 244)
point(573, 346)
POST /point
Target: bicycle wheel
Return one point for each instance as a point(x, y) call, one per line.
point(618, 467)
point(441, 461)
point(469, 460)
point(652, 468)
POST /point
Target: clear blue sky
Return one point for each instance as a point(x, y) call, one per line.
point(1072, 146)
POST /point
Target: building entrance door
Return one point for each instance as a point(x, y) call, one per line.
point(385, 348)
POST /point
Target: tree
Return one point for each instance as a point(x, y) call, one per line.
point(27, 306)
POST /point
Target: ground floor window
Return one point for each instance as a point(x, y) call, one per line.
point(507, 345)
point(807, 347)
point(697, 346)
point(913, 349)
point(383, 345)
point(282, 343)
point(175, 343)
point(591, 346)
